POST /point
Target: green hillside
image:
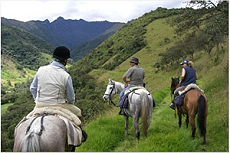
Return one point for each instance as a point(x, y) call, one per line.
point(157, 40)
point(22, 53)
point(164, 134)
point(107, 132)
point(126, 42)
point(23, 47)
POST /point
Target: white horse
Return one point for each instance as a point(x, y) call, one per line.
point(140, 105)
point(42, 134)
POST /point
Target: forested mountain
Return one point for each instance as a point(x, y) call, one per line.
point(65, 31)
point(160, 39)
point(21, 52)
point(29, 44)
point(86, 47)
point(25, 48)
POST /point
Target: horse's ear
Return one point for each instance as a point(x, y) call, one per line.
point(110, 80)
point(172, 78)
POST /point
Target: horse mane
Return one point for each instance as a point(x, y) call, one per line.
point(175, 82)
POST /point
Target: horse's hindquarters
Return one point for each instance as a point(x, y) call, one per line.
point(55, 137)
point(52, 139)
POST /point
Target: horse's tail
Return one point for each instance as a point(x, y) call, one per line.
point(202, 115)
point(145, 102)
point(31, 142)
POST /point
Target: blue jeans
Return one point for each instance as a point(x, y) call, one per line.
point(123, 91)
point(122, 95)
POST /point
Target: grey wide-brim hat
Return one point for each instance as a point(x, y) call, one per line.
point(134, 60)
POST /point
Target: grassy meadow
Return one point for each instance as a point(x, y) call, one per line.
point(106, 133)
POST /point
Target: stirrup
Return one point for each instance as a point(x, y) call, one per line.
point(121, 112)
point(172, 106)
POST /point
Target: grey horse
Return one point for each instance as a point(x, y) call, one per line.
point(140, 105)
point(49, 135)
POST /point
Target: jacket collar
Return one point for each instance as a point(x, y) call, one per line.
point(58, 64)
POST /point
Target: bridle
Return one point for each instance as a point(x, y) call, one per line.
point(110, 94)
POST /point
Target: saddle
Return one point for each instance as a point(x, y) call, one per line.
point(189, 87)
point(179, 98)
point(132, 89)
point(124, 102)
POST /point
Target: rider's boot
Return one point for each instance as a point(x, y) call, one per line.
point(121, 111)
point(172, 105)
point(154, 103)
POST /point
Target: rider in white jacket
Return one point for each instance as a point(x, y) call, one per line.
point(52, 84)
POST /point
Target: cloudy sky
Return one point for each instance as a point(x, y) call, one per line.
point(90, 10)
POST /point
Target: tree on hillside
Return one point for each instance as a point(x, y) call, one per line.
point(213, 16)
point(204, 25)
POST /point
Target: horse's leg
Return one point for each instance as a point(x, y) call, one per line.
point(73, 148)
point(180, 118)
point(192, 122)
point(205, 142)
point(187, 120)
point(69, 148)
point(126, 124)
point(136, 123)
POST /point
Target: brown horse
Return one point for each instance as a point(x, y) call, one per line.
point(195, 102)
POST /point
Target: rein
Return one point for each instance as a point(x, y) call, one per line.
point(110, 95)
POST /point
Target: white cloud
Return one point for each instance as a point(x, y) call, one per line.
point(90, 10)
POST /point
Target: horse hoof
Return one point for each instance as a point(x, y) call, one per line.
point(204, 143)
point(138, 136)
point(85, 136)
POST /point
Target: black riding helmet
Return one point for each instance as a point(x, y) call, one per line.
point(61, 53)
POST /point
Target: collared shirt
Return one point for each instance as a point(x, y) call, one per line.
point(69, 85)
point(136, 75)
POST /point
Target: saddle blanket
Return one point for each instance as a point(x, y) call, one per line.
point(70, 117)
point(69, 111)
point(131, 89)
point(125, 100)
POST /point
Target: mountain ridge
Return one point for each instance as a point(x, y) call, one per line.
point(62, 31)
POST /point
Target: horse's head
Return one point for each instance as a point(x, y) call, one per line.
point(174, 84)
point(110, 90)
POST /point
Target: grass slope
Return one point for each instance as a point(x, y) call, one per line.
point(107, 133)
